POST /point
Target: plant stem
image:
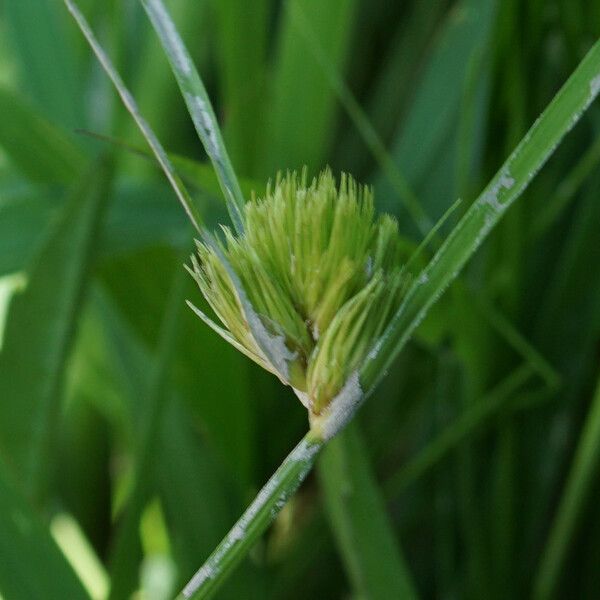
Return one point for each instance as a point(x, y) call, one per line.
point(581, 478)
point(252, 524)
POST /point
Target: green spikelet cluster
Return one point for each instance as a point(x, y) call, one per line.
point(323, 274)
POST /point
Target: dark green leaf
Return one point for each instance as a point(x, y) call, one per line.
point(40, 328)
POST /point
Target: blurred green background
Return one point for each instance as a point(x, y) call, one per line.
point(132, 437)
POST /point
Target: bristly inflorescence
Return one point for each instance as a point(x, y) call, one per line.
point(321, 271)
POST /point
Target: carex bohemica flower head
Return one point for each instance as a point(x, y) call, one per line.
point(309, 285)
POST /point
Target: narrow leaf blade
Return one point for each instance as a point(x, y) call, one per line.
point(31, 564)
point(131, 105)
point(42, 151)
point(509, 183)
point(360, 524)
point(199, 106)
point(40, 328)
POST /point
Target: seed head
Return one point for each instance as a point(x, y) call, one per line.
point(311, 283)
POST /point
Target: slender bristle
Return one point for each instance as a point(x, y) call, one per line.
point(318, 268)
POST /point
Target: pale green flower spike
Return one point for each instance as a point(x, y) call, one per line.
point(309, 286)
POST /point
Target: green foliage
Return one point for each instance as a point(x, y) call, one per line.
point(301, 101)
point(41, 150)
point(46, 59)
point(39, 334)
point(472, 470)
point(25, 548)
point(199, 106)
point(355, 503)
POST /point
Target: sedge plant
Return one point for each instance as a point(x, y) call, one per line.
point(322, 278)
point(310, 284)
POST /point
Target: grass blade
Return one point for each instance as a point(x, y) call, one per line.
point(360, 120)
point(195, 173)
point(186, 472)
point(579, 483)
point(243, 81)
point(396, 75)
point(38, 148)
point(301, 111)
point(436, 102)
point(142, 214)
point(46, 59)
point(31, 564)
point(516, 340)
point(254, 521)
point(126, 548)
point(198, 501)
point(182, 193)
point(25, 215)
point(361, 526)
point(39, 331)
point(470, 421)
point(199, 106)
point(509, 183)
point(568, 187)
